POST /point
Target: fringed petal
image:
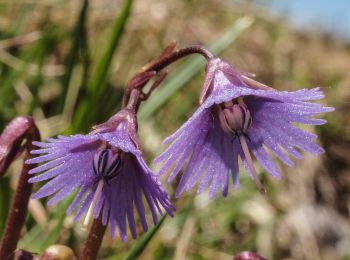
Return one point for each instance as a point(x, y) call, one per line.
point(127, 189)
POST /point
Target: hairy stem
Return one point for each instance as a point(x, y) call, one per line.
point(18, 211)
point(94, 240)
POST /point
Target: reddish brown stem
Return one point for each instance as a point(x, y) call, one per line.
point(11, 139)
point(165, 59)
point(176, 55)
point(94, 240)
point(134, 100)
point(17, 214)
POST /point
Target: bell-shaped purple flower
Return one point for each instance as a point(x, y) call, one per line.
point(238, 116)
point(107, 169)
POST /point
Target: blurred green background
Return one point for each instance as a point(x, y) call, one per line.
point(66, 64)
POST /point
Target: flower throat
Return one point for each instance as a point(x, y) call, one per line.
point(234, 116)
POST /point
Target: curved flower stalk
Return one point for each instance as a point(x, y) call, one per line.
point(107, 168)
point(16, 139)
point(239, 116)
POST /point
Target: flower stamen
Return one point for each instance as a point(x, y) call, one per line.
point(89, 214)
point(106, 165)
point(235, 118)
point(250, 164)
point(255, 84)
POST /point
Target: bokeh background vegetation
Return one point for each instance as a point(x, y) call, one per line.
point(66, 64)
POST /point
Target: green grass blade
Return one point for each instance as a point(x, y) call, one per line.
point(73, 55)
point(60, 216)
point(186, 72)
point(30, 240)
point(100, 74)
point(142, 243)
point(85, 116)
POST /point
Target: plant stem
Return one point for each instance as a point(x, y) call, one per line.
point(176, 55)
point(160, 63)
point(18, 211)
point(250, 164)
point(94, 240)
point(134, 100)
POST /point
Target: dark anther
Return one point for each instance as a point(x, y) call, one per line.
point(107, 164)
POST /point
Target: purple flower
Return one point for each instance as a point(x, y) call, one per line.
point(238, 115)
point(107, 169)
